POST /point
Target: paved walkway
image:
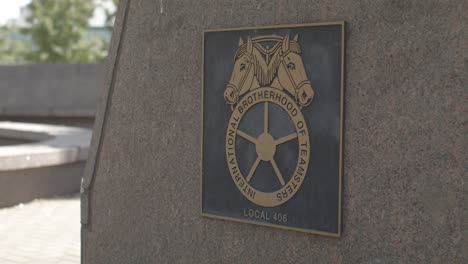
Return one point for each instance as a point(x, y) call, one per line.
point(43, 231)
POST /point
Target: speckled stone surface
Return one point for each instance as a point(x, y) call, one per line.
point(405, 158)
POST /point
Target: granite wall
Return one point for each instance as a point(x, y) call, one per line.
point(404, 149)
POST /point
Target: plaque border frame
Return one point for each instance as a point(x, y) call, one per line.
point(342, 24)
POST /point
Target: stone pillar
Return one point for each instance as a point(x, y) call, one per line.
point(404, 137)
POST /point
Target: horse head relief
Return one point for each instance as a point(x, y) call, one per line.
point(279, 66)
point(291, 73)
point(242, 74)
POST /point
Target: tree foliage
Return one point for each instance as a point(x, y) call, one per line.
point(57, 30)
point(12, 51)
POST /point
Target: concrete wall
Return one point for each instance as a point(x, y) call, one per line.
point(50, 90)
point(38, 161)
point(19, 186)
point(404, 150)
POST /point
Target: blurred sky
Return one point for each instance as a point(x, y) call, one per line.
point(10, 10)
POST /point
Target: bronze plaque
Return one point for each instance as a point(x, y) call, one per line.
point(272, 126)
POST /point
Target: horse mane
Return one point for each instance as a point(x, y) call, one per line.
point(294, 47)
point(266, 72)
point(240, 52)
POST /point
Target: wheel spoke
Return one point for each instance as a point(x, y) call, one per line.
point(278, 173)
point(247, 136)
point(253, 169)
point(265, 118)
point(286, 138)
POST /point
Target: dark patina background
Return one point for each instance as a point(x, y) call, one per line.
point(315, 206)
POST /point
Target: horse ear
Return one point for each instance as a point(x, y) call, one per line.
point(296, 37)
point(241, 42)
point(249, 45)
point(285, 45)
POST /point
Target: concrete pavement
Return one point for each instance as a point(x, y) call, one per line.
point(42, 231)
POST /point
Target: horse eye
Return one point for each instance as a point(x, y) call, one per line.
point(291, 66)
point(242, 66)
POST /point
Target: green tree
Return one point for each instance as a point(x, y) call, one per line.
point(57, 30)
point(11, 51)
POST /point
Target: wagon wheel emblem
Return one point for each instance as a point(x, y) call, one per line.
point(265, 146)
point(268, 76)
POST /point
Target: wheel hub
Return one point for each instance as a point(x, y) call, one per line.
point(266, 147)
